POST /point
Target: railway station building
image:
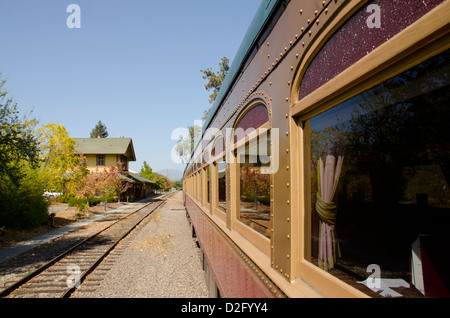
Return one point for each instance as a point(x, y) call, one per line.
point(102, 153)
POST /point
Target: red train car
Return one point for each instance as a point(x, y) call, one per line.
point(324, 166)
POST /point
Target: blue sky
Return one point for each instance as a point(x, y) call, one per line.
point(134, 64)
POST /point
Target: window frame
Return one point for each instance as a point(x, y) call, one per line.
point(407, 49)
point(256, 238)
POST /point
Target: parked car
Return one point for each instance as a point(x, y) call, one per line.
point(51, 194)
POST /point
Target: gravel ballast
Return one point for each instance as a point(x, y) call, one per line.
point(159, 260)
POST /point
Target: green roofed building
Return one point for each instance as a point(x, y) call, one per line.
point(102, 153)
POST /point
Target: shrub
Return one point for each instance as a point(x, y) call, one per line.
point(22, 204)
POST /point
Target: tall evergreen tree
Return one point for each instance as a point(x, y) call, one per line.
point(99, 131)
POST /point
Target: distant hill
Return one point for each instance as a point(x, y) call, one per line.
point(172, 174)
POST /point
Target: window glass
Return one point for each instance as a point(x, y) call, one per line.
point(101, 160)
point(254, 185)
point(208, 177)
point(222, 193)
point(380, 177)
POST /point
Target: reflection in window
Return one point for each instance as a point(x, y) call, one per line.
point(208, 178)
point(254, 162)
point(380, 177)
point(222, 193)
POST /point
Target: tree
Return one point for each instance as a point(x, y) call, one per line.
point(106, 182)
point(161, 182)
point(177, 184)
point(57, 153)
point(215, 80)
point(185, 146)
point(17, 140)
point(146, 171)
point(77, 176)
point(21, 202)
point(99, 131)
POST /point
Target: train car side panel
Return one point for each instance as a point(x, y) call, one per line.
point(233, 277)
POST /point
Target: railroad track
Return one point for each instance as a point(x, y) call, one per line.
point(61, 276)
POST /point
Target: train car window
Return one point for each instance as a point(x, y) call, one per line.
point(254, 118)
point(254, 190)
point(253, 158)
point(380, 184)
point(375, 23)
point(208, 179)
point(221, 188)
point(219, 147)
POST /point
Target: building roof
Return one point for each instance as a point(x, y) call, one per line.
point(140, 178)
point(106, 146)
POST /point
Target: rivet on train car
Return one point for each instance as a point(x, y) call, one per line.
point(273, 64)
point(276, 266)
point(301, 11)
point(289, 83)
point(287, 133)
point(303, 29)
point(296, 55)
point(315, 12)
point(271, 185)
point(309, 33)
point(287, 150)
point(262, 76)
point(270, 83)
point(268, 56)
point(317, 21)
point(281, 270)
point(303, 43)
point(287, 99)
point(288, 202)
point(285, 49)
point(281, 54)
point(287, 256)
point(287, 115)
point(326, 10)
point(296, 36)
point(288, 219)
point(292, 67)
point(276, 60)
point(288, 236)
point(323, 3)
point(309, 21)
point(268, 43)
point(287, 184)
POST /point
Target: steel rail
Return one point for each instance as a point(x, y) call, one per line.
point(67, 293)
point(21, 282)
